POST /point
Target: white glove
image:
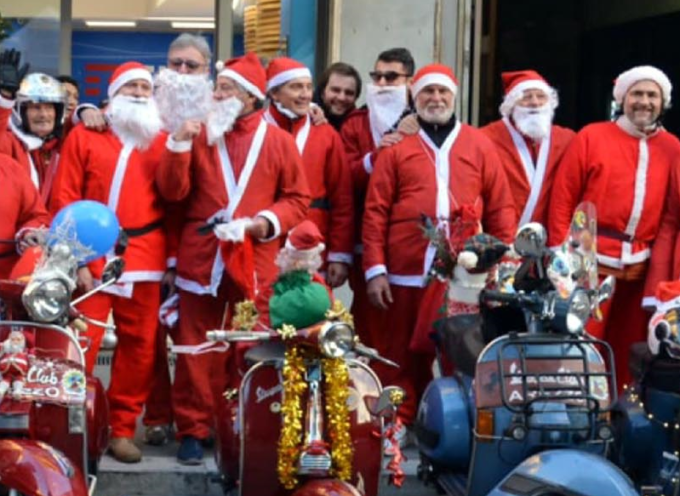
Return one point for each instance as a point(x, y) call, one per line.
point(233, 231)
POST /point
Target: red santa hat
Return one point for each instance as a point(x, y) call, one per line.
point(124, 73)
point(306, 238)
point(642, 73)
point(246, 71)
point(434, 74)
point(283, 69)
point(515, 83)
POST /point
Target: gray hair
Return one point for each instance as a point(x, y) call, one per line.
point(188, 40)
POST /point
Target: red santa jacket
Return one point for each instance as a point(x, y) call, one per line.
point(665, 262)
point(37, 157)
point(415, 178)
point(329, 180)
point(98, 166)
point(530, 180)
point(20, 209)
point(14, 363)
point(361, 155)
point(264, 179)
point(626, 176)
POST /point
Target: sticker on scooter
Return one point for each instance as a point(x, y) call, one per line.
point(52, 381)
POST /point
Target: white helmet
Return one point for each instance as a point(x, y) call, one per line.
point(39, 88)
point(663, 334)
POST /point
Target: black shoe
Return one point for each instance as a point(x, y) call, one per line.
point(208, 442)
point(190, 451)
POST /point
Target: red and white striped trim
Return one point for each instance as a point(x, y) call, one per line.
point(249, 87)
point(435, 78)
point(289, 75)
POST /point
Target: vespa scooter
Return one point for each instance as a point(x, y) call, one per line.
point(308, 417)
point(492, 428)
point(54, 420)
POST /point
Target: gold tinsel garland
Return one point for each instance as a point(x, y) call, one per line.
point(336, 375)
point(290, 442)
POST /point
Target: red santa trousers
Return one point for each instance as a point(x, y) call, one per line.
point(624, 323)
point(392, 334)
point(158, 409)
point(199, 377)
point(132, 368)
point(360, 304)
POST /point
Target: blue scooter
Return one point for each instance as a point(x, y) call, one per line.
point(647, 416)
point(527, 413)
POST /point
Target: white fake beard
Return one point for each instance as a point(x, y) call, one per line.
point(182, 97)
point(534, 123)
point(222, 117)
point(135, 120)
point(14, 348)
point(386, 104)
point(435, 114)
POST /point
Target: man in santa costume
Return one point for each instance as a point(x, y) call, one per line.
point(529, 145)
point(22, 213)
point(289, 85)
point(445, 167)
point(622, 167)
point(247, 175)
point(14, 363)
point(118, 168)
point(32, 109)
point(366, 131)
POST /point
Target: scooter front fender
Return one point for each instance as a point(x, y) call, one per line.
point(326, 487)
point(35, 468)
point(552, 471)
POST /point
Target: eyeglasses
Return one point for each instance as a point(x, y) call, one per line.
point(390, 76)
point(192, 65)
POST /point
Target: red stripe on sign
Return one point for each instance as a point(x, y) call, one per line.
point(93, 80)
point(101, 67)
point(92, 91)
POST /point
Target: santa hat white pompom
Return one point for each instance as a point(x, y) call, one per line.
point(468, 259)
point(219, 65)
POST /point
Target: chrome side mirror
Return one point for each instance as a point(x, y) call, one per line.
point(113, 270)
point(386, 404)
point(606, 289)
point(531, 240)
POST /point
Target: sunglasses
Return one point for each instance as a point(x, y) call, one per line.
point(390, 76)
point(192, 65)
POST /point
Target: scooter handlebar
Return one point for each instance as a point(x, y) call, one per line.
point(222, 336)
point(493, 296)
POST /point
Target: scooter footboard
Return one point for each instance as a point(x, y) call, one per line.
point(35, 468)
point(566, 472)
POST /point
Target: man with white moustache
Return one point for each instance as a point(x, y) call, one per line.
point(447, 166)
point(247, 174)
point(118, 168)
point(529, 145)
point(365, 132)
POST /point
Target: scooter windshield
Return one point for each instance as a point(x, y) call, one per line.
point(575, 262)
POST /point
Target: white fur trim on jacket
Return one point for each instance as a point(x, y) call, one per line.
point(247, 85)
point(516, 94)
point(178, 146)
point(641, 73)
point(434, 78)
point(126, 77)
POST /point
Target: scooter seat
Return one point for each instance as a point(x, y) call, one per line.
point(274, 350)
point(657, 372)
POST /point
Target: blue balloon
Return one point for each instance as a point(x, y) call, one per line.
point(89, 227)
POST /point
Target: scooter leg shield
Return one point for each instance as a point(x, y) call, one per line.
point(35, 468)
point(325, 487)
point(551, 472)
point(443, 423)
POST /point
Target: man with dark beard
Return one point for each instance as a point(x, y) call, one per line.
point(365, 132)
point(336, 93)
point(528, 144)
point(289, 84)
point(446, 167)
point(118, 167)
point(248, 175)
point(623, 167)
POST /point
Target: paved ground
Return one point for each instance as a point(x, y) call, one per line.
point(159, 474)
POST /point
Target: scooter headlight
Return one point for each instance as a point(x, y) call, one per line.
point(47, 300)
point(336, 339)
point(578, 312)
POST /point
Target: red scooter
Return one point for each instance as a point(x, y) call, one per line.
point(308, 417)
point(53, 417)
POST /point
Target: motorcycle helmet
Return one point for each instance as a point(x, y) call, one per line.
point(40, 88)
point(663, 335)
